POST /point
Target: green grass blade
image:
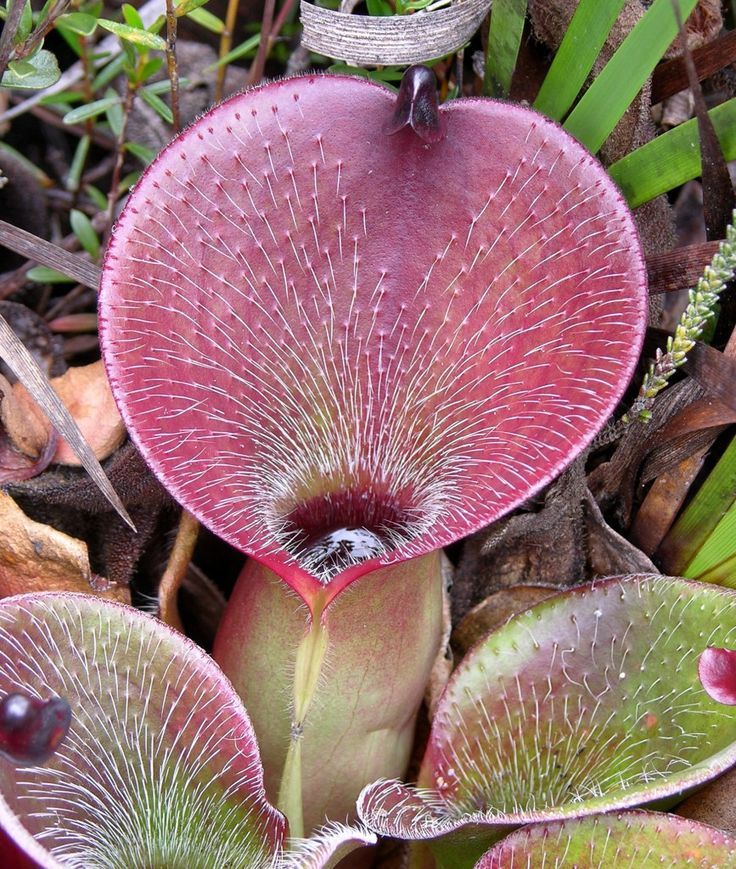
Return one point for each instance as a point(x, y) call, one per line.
point(583, 40)
point(688, 545)
point(604, 103)
point(504, 39)
point(672, 158)
point(715, 560)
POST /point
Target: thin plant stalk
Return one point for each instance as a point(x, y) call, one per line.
point(279, 22)
point(86, 83)
point(37, 35)
point(176, 569)
point(12, 23)
point(226, 43)
point(171, 65)
point(264, 46)
point(130, 92)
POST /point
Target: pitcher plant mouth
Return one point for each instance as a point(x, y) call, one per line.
point(329, 533)
point(329, 375)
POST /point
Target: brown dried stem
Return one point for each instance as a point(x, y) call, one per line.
point(171, 64)
point(12, 22)
point(130, 92)
point(226, 42)
point(176, 568)
point(264, 46)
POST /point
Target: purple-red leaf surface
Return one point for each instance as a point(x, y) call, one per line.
point(717, 672)
point(160, 765)
point(340, 347)
point(646, 840)
point(589, 701)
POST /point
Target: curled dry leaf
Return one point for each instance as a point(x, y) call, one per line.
point(492, 612)
point(25, 425)
point(715, 804)
point(36, 557)
point(392, 39)
point(27, 444)
point(86, 393)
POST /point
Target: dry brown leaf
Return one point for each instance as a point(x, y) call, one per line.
point(35, 557)
point(662, 503)
point(715, 804)
point(23, 420)
point(494, 611)
point(442, 667)
point(393, 39)
point(86, 393)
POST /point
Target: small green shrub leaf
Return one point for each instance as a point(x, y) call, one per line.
point(79, 22)
point(134, 35)
point(36, 72)
point(84, 231)
point(90, 110)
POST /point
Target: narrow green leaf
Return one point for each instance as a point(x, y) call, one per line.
point(128, 181)
point(672, 158)
point(26, 23)
point(73, 40)
point(698, 520)
point(41, 177)
point(716, 559)
point(77, 166)
point(62, 99)
point(158, 105)
point(45, 9)
point(78, 22)
point(84, 231)
point(245, 48)
point(184, 7)
point(91, 110)
point(379, 7)
point(131, 53)
point(583, 40)
point(97, 196)
point(504, 39)
point(163, 87)
point(132, 17)
point(145, 155)
point(151, 67)
point(607, 99)
point(108, 73)
point(134, 35)
point(207, 20)
point(45, 275)
point(45, 73)
point(114, 113)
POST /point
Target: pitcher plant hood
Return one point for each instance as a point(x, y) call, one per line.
point(341, 343)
